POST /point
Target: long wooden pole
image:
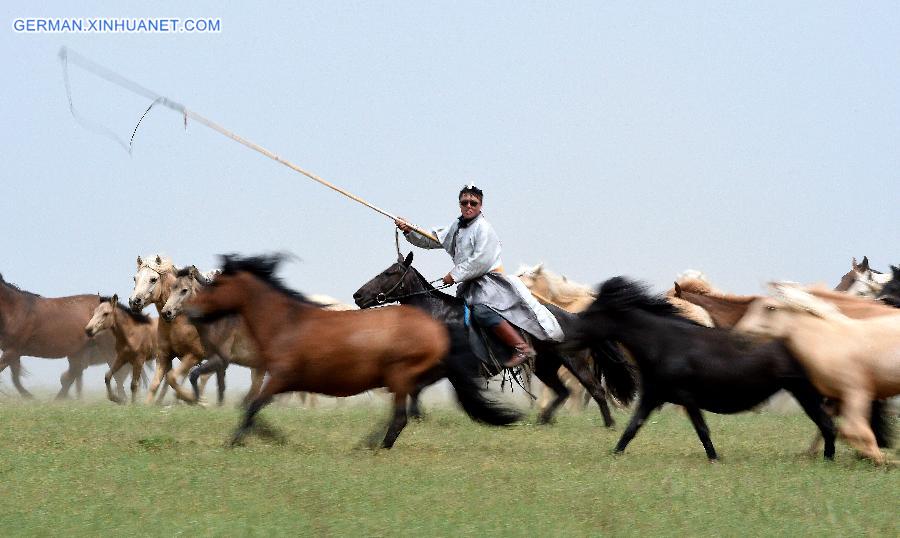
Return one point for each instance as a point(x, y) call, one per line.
point(69, 56)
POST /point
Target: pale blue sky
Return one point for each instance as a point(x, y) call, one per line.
point(750, 141)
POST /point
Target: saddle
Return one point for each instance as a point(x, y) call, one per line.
point(491, 352)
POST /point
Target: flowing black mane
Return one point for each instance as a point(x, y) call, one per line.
point(623, 294)
point(428, 286)
point(136, 316)
point(184, 271)
point(16, 288)
point(263, 267)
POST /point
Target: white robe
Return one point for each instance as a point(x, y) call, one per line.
point(475, 250)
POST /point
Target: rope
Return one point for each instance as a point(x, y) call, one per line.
point(111, 76)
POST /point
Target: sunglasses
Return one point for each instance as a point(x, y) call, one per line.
point(469, 203)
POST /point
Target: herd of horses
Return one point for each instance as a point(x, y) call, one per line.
point(836, 351)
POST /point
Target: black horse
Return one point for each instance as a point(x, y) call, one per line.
point(401, 282)
point(890, 292)
point(693, 366)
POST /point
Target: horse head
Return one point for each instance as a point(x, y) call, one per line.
point(395, 280)
point(148, 286)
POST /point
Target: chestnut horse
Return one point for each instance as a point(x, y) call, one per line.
point(135, 336)
point(51, 328)
point(340, 353)
point(853, 361)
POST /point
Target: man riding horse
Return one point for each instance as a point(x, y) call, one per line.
point(496, 301)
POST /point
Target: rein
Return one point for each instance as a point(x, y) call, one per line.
point(383, 298)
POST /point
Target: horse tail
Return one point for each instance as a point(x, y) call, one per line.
point(462, 372)
point(611, 364)
point(881, 422)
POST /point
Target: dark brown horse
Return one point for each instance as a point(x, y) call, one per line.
point(339, 353)
point(51, 328)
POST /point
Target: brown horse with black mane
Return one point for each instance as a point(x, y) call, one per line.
point(51, 328)
point(339, 353)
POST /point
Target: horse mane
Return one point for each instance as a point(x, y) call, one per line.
point(695, 285)
point(428, 286)
point(799, 299)
point(263, 267)
point(136, 316)
point(165, 265)
point(17, 288)
point(623, 294)
point(561, 288)
point(183, 272)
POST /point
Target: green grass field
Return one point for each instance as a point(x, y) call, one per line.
point(98, 469)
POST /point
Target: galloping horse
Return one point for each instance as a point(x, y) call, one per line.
point(226, 337)
point(851, 360)
point(135, 336)
point(340, 353)
point(51, 328)
point(177, 338)
point(402, 282)
point(694, 366)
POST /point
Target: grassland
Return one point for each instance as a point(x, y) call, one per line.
point(98, 469)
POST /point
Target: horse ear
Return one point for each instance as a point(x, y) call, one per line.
point(194, 272)
point(539, 268)
point(894, 269)
point(140, 262)
point(158, 259)
point(864, 266)
point(408, 261)
point(677, 290)
point(114, 299)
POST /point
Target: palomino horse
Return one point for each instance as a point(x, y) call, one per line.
point(402, 283)
point(226, 337)
point(727, 310)
point(694, 366)
point(176, 338)
point(51, 328)
point(851, 360)
point(135, 336)
point(862, 280)
point(340, 353)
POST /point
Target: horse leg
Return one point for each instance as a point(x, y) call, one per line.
point(811, 402)
point(546, 368)
point(220, 385)
point(702, 431)
point(163, 365)
point(855, 409)
point(588, 380)
point(427, 379)
point(120, 376)
point(269, 389)
point(12, 359)
point(177, 375)
point(256, 378)
point(114, 367)
point(213, 364)
point(76, 368)
point(137, 368)
point(398, 421)
point(644, 408)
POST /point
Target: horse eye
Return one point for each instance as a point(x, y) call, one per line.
point(134, 278)
point(153, 280)
point(183, 291)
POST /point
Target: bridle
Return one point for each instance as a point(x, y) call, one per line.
point(384, 297)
